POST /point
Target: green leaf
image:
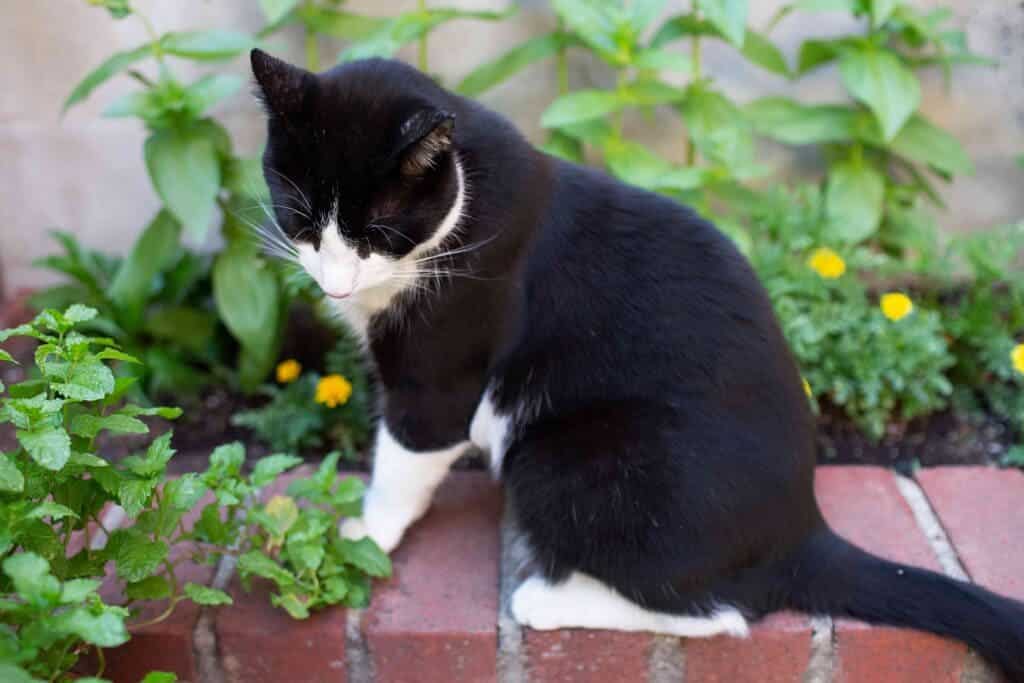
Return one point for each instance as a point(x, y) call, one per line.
point(728, 16)
point(255, 563)
point(49, 446)
point(248, 297)
point(106, 629)
point(878, 79)
point(12, 673)
point(291, 604)
point(350, 490)
point(854, 201)
point(212, 45)
point(205, 595)
point(149, 588)
point(881, 10)
point(797, 124)
point(338, 23)
point(278, 516)
point(275, 10)
point(306, 556)
point(593, 23)
point(77, 590)
point(11, 478)
point(185, 492)
point(267, 469)
point(408, 27)
point(816, 53)
point(923, 142)
point(31, 576)
point(77, 313)
point(209, 90)
point(134, 494)
point(581, 105)
point(663, 60)
point(54, 511)
point(191, 328)
point(114, 354)
point(364, 554)
point(137, 556)
point(563, 146)
point(758, 49)
point(227, 459)
point(490, 74)
point(87, 380)
point(113, 65)
point(160, 677)
point(90, 425)
point(637, 165)
point(185, 170)
point(718, 128)
point(6, 357)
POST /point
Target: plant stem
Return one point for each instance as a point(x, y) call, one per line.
point(312, 47)
point(158, 49)
point(563, 63)
point(422, 59)
point(696, 58)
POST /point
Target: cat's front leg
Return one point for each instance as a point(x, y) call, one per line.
point(401, 488)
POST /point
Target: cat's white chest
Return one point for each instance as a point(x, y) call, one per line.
point(489, 432)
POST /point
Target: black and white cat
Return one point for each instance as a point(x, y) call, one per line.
point(612, 352)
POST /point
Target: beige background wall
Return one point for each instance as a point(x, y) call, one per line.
point(85, 174)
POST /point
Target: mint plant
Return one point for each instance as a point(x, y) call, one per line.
point(56, 485)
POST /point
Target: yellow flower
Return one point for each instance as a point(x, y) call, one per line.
point(807, 389)
point(333, 391)
point(288, 371)
point(827, 263)
point(896, 305)
point(1017, 357)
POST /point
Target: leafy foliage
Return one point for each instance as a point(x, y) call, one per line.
point(55, 486)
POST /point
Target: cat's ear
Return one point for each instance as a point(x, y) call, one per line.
point(285, 89)
point(423, 138)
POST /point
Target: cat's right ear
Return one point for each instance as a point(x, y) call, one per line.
point(284, 89)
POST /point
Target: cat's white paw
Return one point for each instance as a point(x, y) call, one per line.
point(384, 524)
point(532, 605)
point(733, 623)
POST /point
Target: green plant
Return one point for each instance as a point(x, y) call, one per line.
point(196, 174)
point(56, 484)
point(293, 420)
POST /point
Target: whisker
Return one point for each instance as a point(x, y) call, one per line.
point(302, 195)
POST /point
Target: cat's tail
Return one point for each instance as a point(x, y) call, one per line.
point(833, 576)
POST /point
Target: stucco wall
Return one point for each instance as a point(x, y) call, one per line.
point(85, 174)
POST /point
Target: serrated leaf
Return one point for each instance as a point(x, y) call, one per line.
point(488, 75)
point(854, 201)
point(149, 588)
point(306, 556)
point(11, 478)
point(350, 490)
point(134, 494)
point(77, 313)
point(106, 629)
point(256, 563)
point(267, 469)
point(879, 80)
point(185, 169)
point(205, 595)
point(49, 446)
point(87, 380)
point(279, 514)
point(91, 425)
point(113, 65)
point(138, 557)
point(364, 554)
point(30, 574)
point(185, 492)
point(227, 459)
point(114, 354)
point(77, 590)
point(55, 511)
point(291, 604)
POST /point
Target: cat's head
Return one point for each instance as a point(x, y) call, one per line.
point(362, 169)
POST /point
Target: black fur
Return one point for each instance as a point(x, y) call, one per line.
point(669, 450)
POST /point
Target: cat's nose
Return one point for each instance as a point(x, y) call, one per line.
point(336, 295)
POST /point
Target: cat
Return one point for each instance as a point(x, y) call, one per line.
point(609, 349)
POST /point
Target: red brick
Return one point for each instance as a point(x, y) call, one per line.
point(980, 509)
point(436, 618)
point(260, 642)
point(864, 505)
point(577, 655)
point(778, 651)
point(167, 645)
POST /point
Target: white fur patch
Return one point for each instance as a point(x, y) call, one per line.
point(489, 432)
point(401, 488)
point(358, 287)
point(582, 601)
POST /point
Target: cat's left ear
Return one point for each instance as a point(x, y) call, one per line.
point(423, 139)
